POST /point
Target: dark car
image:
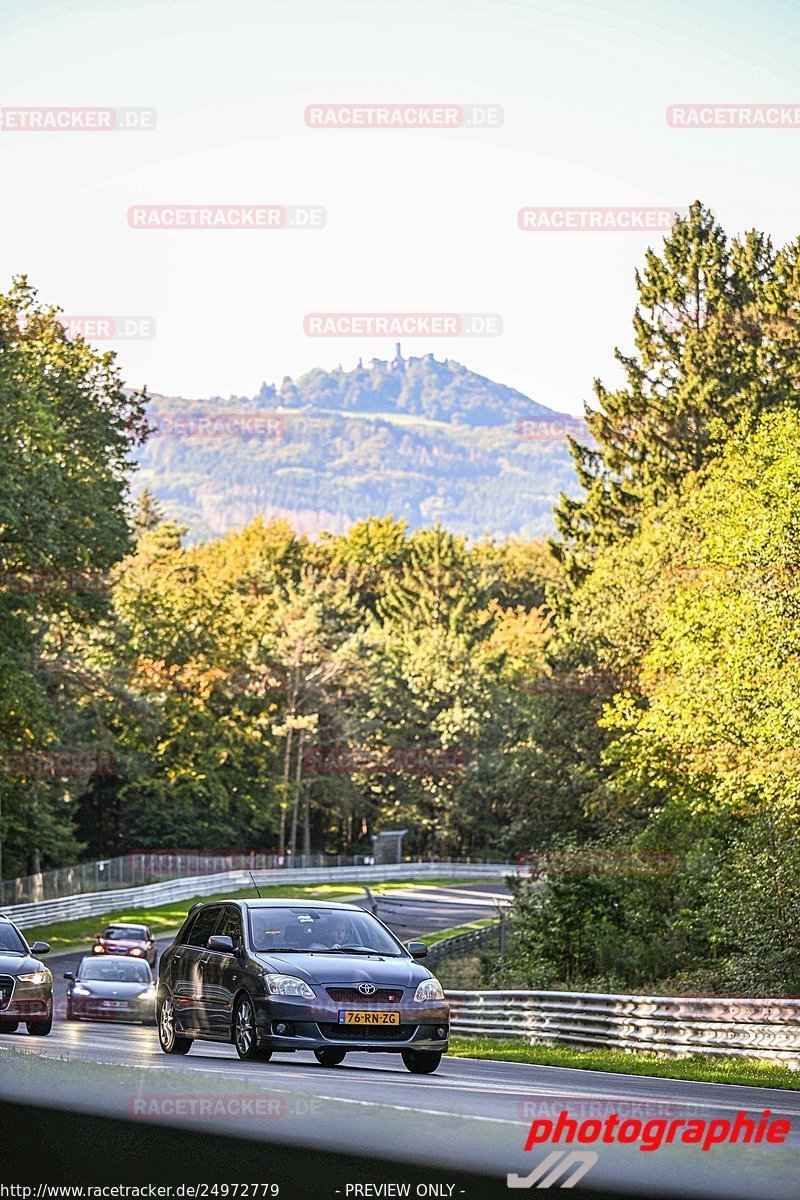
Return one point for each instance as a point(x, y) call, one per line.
point(111, 989)
point(133, 941)
point(281, 975)
point(26, 985)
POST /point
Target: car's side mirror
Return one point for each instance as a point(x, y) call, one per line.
point(417, 949)
point(222, 944)
point(40, 947)
point(69, 975)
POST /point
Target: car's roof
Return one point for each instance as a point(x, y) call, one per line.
point(288, 903)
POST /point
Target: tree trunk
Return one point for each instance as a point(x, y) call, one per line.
point(306, 822)
point(296, 802)
point(287, 755)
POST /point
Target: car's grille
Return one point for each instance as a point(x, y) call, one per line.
point(379, 996)
point(366, 1033)
point(6, 988)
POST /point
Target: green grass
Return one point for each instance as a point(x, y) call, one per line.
point(747, 1072)
point(167, 918)
point(442, 934)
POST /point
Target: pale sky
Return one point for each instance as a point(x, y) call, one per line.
point(416, 221)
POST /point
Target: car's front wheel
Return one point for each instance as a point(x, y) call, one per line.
point(329, 1058)
point(244, 1033)
point(422, 1062)
point(39, 1028)
point(170, 1041)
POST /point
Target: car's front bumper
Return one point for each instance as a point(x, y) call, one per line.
point(28, 1002)
point(91, 1008)
point(315, 1025)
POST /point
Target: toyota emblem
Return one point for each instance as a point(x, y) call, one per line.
point(366, 989)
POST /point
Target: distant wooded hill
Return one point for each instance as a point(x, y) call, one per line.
point(415, 438)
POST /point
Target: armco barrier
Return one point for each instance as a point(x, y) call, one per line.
point(672, 1025)
point(95, 904)
point(465, 943)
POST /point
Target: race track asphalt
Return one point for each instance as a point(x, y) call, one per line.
point(471, 1114)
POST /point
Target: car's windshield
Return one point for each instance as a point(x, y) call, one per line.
point(10, 940)
point(319, 930)
point(125, 933)
point(121, 971)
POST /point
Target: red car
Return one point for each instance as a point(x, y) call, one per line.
point(135, 941)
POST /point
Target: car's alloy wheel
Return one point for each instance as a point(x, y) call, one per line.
point(329, 1058)
point(244, 1033)
point(170, 1041)
point(39, 1028)
point(422, 1062)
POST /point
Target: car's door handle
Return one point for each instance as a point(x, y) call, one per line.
point(176, 958)
point(201, 966)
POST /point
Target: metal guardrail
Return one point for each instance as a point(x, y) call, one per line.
point(465, 943)
point(676, 1026)
point(89, 905)
point(136, 869)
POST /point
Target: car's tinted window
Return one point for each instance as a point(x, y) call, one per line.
point(319, 930)
point(231, 926)
point(10, 941)
point(205, 924)
point(120, 970)
point(126, 933)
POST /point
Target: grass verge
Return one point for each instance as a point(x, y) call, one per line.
point(698, 1067)
point(163, 919)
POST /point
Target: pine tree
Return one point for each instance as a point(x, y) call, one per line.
point(147, 513)
point(716, 341)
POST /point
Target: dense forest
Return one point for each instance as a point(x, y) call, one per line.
point(424, 440)
point(620, 705)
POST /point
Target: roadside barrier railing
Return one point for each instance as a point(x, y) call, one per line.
point(69, 908)
point(677, 1026)
point(140, 867)
point(465, 943)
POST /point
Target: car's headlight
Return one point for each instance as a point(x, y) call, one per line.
point(136, 952)
point(98, 949)
point(288, 985)
point(80, 990)
point(429, 989)
point(147, 994)
point(33, 977)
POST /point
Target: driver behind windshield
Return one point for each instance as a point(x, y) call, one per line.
point(337, 932)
